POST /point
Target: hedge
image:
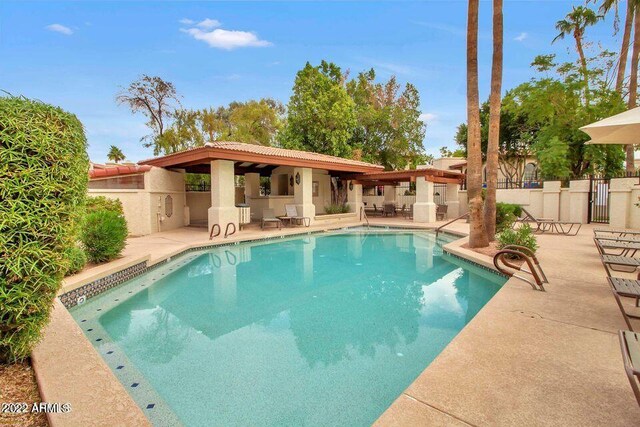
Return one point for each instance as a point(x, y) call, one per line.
point(43, 182)
point(97, 203)
point(104, 235)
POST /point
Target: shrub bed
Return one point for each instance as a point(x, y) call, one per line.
point(104, 235)
point(43, 183)
point(77, 259)
point(523, 236)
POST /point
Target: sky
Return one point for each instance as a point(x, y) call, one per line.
point(78, 55)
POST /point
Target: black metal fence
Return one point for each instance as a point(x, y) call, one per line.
point(197, 187)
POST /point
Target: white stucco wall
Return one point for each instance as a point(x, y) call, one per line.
point(145, 209)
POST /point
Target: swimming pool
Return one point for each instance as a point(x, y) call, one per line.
point(322, 329)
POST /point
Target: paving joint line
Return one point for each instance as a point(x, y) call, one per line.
point(439, 410)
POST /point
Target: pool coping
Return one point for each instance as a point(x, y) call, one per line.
point(98, 400)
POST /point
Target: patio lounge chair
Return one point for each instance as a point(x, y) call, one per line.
point(630, 346)
point(618, 232)
point(268, 217)
point(294, 218)
point(544, 225)
point(616, 262)
point(625, 288)
point(624, 248)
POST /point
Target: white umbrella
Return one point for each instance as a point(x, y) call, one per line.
point(623, 128)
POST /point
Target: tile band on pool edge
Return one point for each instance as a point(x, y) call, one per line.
point(96, 287)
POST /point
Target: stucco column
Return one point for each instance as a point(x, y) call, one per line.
point(453, 200)
point(223, 194)
point(303, 192)
point(424, 209)
point(389, 194)
point(354, 197)
point(251, 185)
point(579, 200)
point(551, 200)
point(620, 203)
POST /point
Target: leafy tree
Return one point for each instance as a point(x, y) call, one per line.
point(253, 122)
point(321, 114)
point(115, 154)
point(388, 130)
point(553, 109)
point(156, 99)
point(183, 133)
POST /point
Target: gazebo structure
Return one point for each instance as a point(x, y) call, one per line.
point(424, 209)
point(155, 198)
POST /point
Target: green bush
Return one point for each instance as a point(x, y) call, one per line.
point(77, 259)
point(523, 236)
point(506, 215)
point(103, 203)
point(43, 183)
point(104, 235)
point(336, 209)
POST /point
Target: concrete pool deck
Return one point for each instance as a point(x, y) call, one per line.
point(528, 357)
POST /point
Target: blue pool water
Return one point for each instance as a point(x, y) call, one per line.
point(325, 329)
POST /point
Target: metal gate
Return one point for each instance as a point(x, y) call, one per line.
point(598, 210)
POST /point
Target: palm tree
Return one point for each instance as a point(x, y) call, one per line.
point(606, 7)
point(575, 24)
point(477, 235)
point(115, 154)
point(633, 82)
point(494, 123)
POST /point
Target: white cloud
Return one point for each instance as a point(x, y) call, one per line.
point(208, 24)
point(187, 21)
point(427, 117)
point(521, 37)
point(226, 39)
point(58, 28)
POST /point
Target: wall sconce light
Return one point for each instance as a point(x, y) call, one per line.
point(298, 178)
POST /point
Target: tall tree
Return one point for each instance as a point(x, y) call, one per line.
point(253, 122)
point(388, 129)
point(477, 234)
point(156, 99)
point(633, 83)
point(321, 115)
point(607, 6)
point(575, 24)
point(494, 122)
point(115, 154)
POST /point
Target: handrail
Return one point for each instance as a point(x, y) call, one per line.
point(226, 230)
point(364, 214)
point(211, 235)
point(450, 222)
point(531, 255)
point(501, 256)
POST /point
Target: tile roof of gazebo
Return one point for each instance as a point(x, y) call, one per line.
point(255, 158)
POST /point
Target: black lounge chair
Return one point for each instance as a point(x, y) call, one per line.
point(544, 225)
point(441, 212)
point(625, 288)
point(630, 346)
